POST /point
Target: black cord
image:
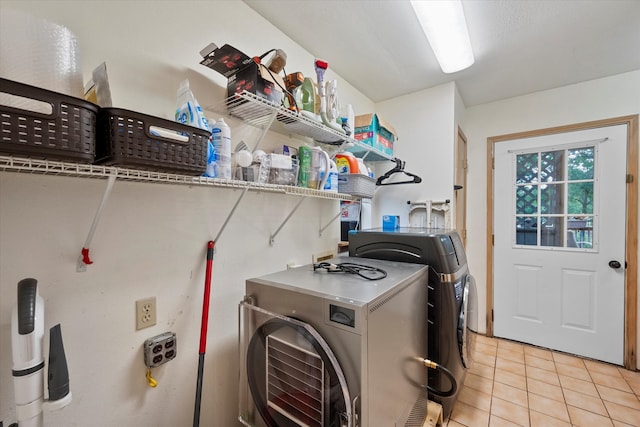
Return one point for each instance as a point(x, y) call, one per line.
point(266, 53)
point(260, 64)
point(293, 97)
point(452, 389)
point(364, 271)
point(284, 89)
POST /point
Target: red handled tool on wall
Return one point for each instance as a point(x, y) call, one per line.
point(203, 331)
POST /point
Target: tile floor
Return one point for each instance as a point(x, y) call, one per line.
point(511, 384)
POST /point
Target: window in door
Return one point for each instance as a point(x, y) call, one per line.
point(554, 198)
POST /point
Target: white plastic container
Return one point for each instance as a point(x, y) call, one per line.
point(332, 181)
point(221, 141)
point(189, 111)
point(351, 120)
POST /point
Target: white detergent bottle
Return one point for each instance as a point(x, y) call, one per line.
point(362, 168)
point(221, 141)
point(189, 111)
point(332, 181)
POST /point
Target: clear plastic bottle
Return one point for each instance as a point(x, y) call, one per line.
point(189, 111)
point(221, 140)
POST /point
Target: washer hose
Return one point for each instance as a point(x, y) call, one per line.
point(433, 365)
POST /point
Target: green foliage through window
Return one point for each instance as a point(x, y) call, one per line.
point(559, 183)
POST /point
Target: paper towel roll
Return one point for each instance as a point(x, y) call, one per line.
point(40, 53)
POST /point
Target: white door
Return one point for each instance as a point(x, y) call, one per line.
point(559, 230)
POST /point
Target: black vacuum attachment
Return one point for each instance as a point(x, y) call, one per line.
point(58, 370)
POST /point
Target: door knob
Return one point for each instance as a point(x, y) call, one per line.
point(615, 264)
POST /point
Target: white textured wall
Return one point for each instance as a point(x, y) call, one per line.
point(593, 100)
point(425, 124)
point(151, 239)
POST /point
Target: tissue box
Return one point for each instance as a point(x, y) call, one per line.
point(390, 222)
point(244, 74)
point(372, 130)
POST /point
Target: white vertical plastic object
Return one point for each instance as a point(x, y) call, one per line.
point(351, 120)
point(221, 140)
point(331, 183)
point(28, 360)
point(188, 111)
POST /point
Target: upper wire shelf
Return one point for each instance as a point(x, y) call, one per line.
point(258, 112)
point(56, 168)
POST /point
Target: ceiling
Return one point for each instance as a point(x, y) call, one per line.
point(520, 46)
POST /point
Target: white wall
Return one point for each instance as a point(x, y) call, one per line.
point(151, 239)
point(150, 48)
point(425, 124)
point(593, 100)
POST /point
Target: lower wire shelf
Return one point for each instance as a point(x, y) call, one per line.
point(80, 170)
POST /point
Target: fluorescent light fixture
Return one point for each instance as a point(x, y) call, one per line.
point(444, 24)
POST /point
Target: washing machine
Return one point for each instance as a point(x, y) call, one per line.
point(325, 349)
point(452, 297)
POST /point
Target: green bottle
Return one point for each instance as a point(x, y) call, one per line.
point(304, 159)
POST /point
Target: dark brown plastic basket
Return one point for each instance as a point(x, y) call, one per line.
point(131, 139)
point(42, 124)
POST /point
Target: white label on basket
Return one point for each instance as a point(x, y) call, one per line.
point(167, 133)
point(27, 104)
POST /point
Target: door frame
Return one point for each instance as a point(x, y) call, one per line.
point(461, 211)
point(631, 253)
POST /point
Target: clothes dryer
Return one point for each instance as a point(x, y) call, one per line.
point(334, 349)
point(452, 297)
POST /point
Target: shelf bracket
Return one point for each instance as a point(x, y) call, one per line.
point(233, 209)
point(343, 145)
point(83, 259)
point(266, 129)
point(330, 221)
point(273, 236)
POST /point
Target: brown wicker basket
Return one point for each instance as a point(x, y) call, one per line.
point(131, 139)
point(42, 124)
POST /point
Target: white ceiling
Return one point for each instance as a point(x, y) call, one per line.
point(520, 46)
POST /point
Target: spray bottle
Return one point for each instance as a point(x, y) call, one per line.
point(221, 142)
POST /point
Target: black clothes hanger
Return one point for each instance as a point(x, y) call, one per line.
point(399, 167)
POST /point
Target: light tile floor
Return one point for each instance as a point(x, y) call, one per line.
point(512, 384)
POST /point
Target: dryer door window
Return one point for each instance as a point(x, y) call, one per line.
point(292, 375)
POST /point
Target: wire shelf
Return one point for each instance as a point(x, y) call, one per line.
point(258, 112)
point(55, 168)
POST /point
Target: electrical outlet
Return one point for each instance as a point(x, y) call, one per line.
point(145, 313)
point(160, 349)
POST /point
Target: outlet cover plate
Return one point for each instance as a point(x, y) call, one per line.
point(145, 313)
point(160, 349)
